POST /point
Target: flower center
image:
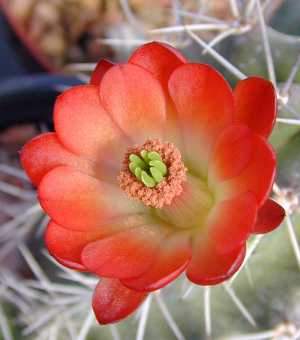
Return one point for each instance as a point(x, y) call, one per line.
point(153, 173)
point(148, 167)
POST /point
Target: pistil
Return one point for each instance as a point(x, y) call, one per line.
point(148, 167)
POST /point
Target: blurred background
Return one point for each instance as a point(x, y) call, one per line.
point(47, 46)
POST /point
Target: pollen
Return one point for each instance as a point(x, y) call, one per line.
point(153, 173)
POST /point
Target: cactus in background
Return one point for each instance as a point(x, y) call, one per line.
point(43, 300)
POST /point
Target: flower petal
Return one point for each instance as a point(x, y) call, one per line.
point(101, 68)
point(124, 255)
point(257, 177)
point(256, 104)
point(232, 153)
point(191, 207)
point(70, 264)
point(269, 217)
point(80, 202)
point(158, 58)
point(67, 244)
point(208, 267)
point(161, 60)
point(44, 152)
point(135, 100)
point(113, 302)
point(231, 222)
point(173, 257)
point(83, 126)
point(205, 106)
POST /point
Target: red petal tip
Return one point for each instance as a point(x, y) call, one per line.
point(269, 217)
point(113, 302)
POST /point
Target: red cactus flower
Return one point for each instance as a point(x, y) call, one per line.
point(155, 168)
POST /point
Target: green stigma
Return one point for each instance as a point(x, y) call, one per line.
point(148, 167)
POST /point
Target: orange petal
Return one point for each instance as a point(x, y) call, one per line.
point(124, 255)
point(231, 222)
point(113, 302)
point(257, 177)
point(44, 152)
point(205, 106)
point(256, 104)
point(101, 68)
point(172, 258)
point(232, 153)
point(158, 58)
point(67, 244)
point(269, 217)
point(80, 202)
point(83, 126)
point(135, 100)
point(208, 267)
point(161, 60)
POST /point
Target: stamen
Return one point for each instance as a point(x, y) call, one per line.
point(153, 173)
